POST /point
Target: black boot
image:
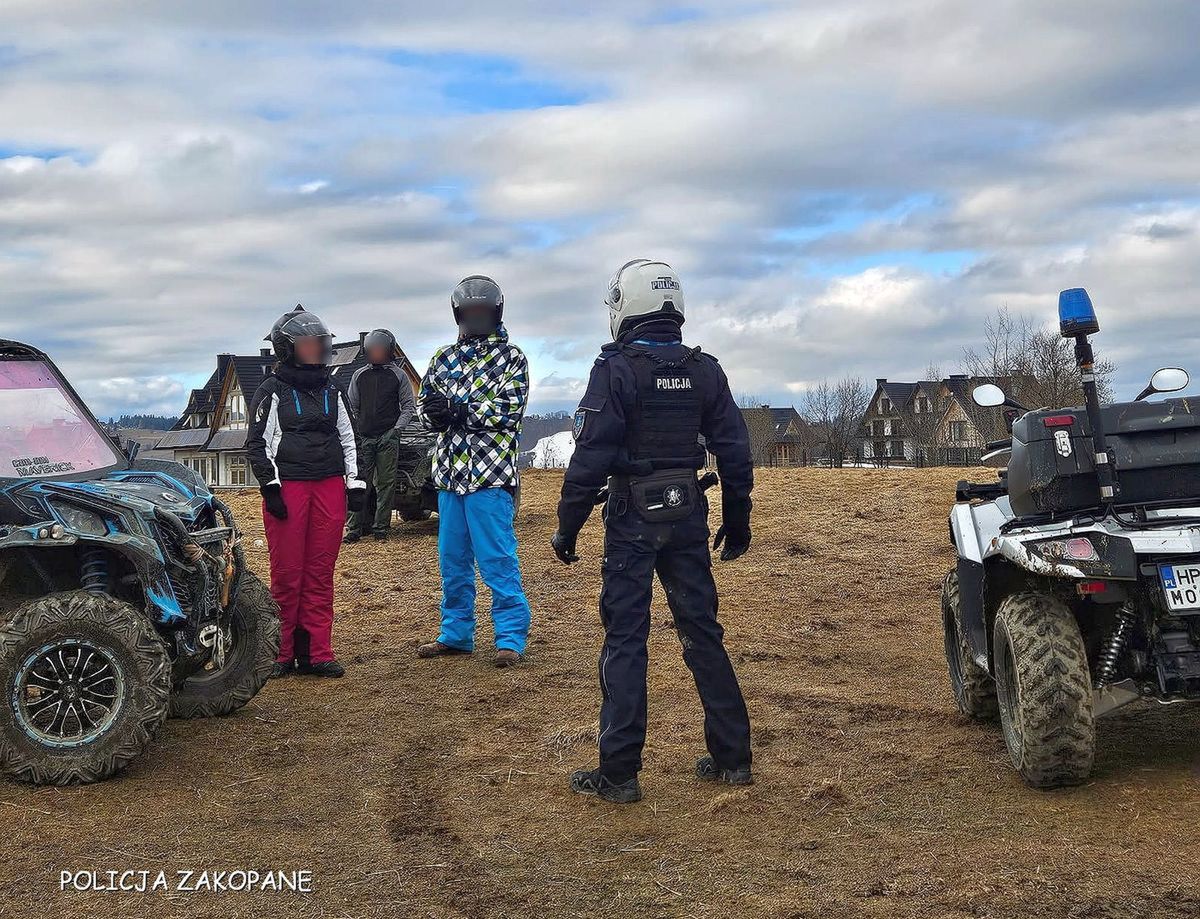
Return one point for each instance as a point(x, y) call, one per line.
point(280, 670)
point(331, 669)
point(708, 771)
point(591, 782)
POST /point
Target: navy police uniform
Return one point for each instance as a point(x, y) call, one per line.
point(638, 428)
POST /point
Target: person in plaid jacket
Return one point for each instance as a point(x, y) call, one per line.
point(474, 395)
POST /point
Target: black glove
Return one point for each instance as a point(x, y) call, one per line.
point(564, 547)
point(458, 415)
point(437, 410)
point(734, 531)
point(273, 501)
point(355, 499)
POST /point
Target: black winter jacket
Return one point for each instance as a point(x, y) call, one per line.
point(301, 429)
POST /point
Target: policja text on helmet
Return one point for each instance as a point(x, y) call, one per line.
point(643, 291)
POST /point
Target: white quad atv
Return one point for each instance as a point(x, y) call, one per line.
point(1077, 587)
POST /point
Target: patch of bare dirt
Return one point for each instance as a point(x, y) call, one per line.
point(438, 788)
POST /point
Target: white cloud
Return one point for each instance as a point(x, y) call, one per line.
point(844, 187)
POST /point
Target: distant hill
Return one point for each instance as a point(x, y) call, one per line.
point(143, 422)
point(537, 427)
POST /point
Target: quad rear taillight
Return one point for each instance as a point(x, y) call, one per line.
point(1075, 549)
point(1058, 421)
point(1080, 549)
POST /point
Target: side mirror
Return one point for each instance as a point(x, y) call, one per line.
point(1168, 379)
point(988, 395)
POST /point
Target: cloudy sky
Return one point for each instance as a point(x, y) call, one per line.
point(844, 186)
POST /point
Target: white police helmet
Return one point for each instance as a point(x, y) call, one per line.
point(641, 291)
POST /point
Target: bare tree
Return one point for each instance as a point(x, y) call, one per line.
point(760, 424)
point(550, 455)
point(1042, 362)
point(835, 412)
point(1039, 363)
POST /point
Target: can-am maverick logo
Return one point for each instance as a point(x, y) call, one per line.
point(664, 283)
point(39, 465)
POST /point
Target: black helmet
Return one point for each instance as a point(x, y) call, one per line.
point(381, 338)
point(478, 290)
point(295, 325)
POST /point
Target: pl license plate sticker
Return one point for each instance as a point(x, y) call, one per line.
point(1181, 584)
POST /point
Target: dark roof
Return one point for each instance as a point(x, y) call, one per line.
point(780, 419)
point(233, 439)
point(191, 437)
point(899, 393)
point(251, 371)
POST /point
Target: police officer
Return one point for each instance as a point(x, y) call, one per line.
point(649, 400)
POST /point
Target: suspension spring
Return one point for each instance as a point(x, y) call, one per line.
point(93, 571)
point(1114, 647)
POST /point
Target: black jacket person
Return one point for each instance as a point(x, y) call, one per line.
point(381, 399)
point(649, 400)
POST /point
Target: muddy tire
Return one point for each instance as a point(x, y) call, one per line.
point(254, 629)
point(85, 681)
point(973, 688)
point(1044, 689)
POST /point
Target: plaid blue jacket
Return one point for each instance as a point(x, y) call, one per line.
point(491, 376)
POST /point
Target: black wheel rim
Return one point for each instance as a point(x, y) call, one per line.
point(1009, 693)
point(67, 693)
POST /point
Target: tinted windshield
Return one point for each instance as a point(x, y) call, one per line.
point(44, 432)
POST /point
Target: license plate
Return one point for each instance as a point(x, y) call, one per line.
point(1181, 584)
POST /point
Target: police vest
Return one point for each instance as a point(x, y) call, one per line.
point(663, 427)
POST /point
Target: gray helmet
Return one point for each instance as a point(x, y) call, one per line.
point(381, 338)
point(474, 291)
point(294, 325)
point(643, 291)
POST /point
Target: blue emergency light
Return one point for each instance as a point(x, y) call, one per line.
point(1076, 315)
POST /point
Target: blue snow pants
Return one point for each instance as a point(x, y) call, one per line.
point(478, 529)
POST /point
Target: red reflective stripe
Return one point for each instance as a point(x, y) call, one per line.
point(1058, 421)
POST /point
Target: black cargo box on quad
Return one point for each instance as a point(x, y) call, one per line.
point(1155, 446)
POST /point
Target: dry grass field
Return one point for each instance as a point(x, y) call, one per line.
point(418, 788)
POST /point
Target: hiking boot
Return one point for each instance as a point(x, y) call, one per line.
point(506, 657)
point(437, 649)
point(279, 669)
point(380, 537)
point(707, 770)
point(331, 669)
point(351, 537)
point(591, 782)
